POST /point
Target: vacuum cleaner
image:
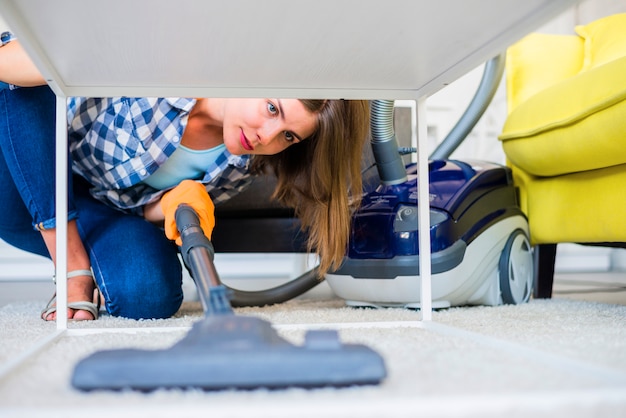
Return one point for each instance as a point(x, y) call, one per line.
point(226, 351)
point(480, 248)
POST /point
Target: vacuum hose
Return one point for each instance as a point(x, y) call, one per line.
point(391, 169)
point(197, 252)
point(492, 75)
point(217, 298)
point(278, 294)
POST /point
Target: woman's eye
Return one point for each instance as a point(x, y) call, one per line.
point(272, 108)
point(290, 137)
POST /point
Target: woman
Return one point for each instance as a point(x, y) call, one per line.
point(136, 159)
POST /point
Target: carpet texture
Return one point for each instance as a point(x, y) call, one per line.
point(545, 358)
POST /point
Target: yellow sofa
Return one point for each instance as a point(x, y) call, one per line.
point(565, 137)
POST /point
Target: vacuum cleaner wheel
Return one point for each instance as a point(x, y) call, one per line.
point(516, 269)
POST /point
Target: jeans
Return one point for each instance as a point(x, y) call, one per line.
point(136, 267)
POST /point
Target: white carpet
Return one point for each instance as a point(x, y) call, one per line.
point(545, 358)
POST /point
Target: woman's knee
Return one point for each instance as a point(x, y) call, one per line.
point(154, 295)
point(162, 307)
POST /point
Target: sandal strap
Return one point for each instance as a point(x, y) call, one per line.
point(75, 273)
point(91, 307)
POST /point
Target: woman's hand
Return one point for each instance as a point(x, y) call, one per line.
point(195, 195)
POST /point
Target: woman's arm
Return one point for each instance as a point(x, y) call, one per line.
point(152, 212)
point(17, 68)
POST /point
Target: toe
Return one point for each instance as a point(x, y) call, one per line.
point(80, 315)
point(51, 317)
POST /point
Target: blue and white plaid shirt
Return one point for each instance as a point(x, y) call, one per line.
point(116, 143)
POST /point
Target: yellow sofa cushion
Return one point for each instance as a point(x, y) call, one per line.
point(605, 40)
point(539, 61)
point(576, 125)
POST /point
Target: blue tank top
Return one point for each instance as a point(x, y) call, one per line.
point(184, 163)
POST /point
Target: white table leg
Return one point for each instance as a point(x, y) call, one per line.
point(61, 211)
point(423, 212)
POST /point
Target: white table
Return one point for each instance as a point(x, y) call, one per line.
point(351, 49)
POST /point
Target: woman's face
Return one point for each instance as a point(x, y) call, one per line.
point(265, 126)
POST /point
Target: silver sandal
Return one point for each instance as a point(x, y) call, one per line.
point(92, 308)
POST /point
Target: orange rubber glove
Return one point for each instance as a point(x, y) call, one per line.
point(195, 195)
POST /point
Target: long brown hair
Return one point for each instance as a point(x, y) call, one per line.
point(320, 177)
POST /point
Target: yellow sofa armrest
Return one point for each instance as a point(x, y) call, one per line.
point(576, 125)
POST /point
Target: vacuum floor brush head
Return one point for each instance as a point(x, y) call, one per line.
point(233, 352)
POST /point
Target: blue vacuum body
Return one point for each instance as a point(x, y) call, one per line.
point(480, 252)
